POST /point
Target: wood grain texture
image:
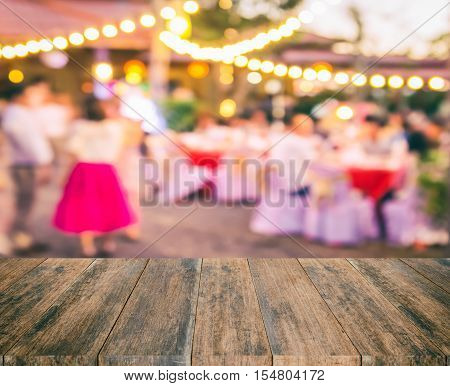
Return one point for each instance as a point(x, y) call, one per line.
point(420, 300)
point(380, 332)
point(157, 325)
point(301, 329)
point(13, 269)
point(73, 330)
point(437, 270)
point(229, 328)
point(26, 300)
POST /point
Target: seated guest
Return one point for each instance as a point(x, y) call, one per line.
point(376, 143)
point(295, 148)
point(258, 120)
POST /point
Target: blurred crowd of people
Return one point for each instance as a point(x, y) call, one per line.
point(95, 152)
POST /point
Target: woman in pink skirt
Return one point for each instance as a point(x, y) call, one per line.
point(93, 202)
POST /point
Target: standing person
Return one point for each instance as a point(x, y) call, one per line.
point(93, 203)
point(31, 156)
point(128, 161)
point(55, 116)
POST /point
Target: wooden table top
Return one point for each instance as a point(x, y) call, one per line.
point(224, 311)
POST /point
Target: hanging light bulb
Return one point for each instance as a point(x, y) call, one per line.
point(110, 31)
point(359, 79)
point(254, 64)
point(76, 39)
point(168, 13)
point(436, 83)
point(341, 78)
point(309, 74)
point(179, 25)
point(395, 81)
point(295, 72)
point(415, 82)
point(103, 71)
point(60, 42)
point(91, 33)
point(377, 81)
point(191, 7)
point(127, 26)
point(21, 50)
point(8, 52)
point(254, 77)
point(267, 66)
point(280, 70)
point(33, 46)
point(147, 20)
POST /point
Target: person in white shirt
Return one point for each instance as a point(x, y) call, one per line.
point(31, 156)
point(94, 202)
point(55, 116)
point(294, 149)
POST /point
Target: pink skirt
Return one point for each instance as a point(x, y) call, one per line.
point(93, 200)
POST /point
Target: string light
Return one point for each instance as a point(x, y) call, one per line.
point(254, 77)
point(225, 4)
point(147, 20)
point(295, 72)
point(15, 76)
point(377, 81)
point(254, 64)
point(45, 45)
point(309, 74)
point(341, 78)
point(103, 71)
point(60, 42)
point(240, 61)
point(127, 26)
point(32, 46)
point(227, 108)
point(91, 33)
point(324, 75)
point(415, 82)
point(168, 13)
point(179, 25)
point(344, 112)
point(280, 70)
point(267, 66)
point(76, 39)
point(110, 30)
point(359, 79)
point(436, 83)
point(395, 81)
point(191, 7)
point(20, 50)
point(8, 52)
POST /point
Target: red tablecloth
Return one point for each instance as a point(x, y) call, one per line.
point(375, 183)
point(205, 158)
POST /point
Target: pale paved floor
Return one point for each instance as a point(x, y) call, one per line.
point(207, 232)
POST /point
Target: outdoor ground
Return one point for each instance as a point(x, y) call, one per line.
point(198, 232)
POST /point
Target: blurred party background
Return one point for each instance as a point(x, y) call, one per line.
point(258, 128)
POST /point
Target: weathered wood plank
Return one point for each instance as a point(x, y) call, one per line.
point(301, 329)
point(437, 270)
point(27, 299)
point(73, 330)
point(380, 332)
point(229, 328)
point(421, 301)
point(157, 325)
point(12, 269)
